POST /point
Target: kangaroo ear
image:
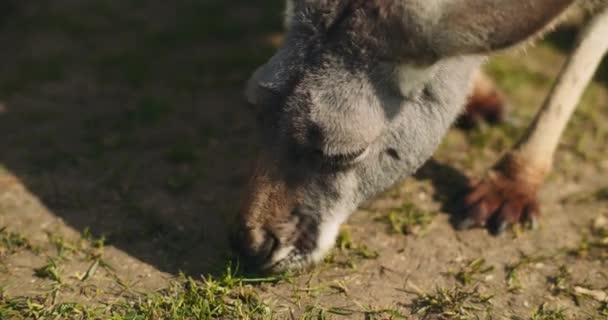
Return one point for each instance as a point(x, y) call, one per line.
point(441, 28)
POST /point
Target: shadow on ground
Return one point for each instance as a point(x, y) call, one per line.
point(127, 118)
point(450, 186)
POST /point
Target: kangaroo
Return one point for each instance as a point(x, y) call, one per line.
point(360, 95)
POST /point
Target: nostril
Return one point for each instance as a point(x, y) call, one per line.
point(254, 253)
point(271, 242)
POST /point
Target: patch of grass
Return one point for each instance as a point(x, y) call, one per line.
point(591, 248)
point(38, 308)
point(62, 246)
point(472, 271)
point(345, 242)
point(512, 76)
point(497, 138)
point(226, 297)
point(87, 248)
point(383, 314)
point(93, 250)
point(408, 219)
point(561, 282)
point(50, 271)
point(603, 309)
point(594, 246)
point(585, 144)
point(455, 303)
point(322, 313)
point(544, 313)
point(514, 283)
point(11, 242)
point(353, 252)
point(94, 246)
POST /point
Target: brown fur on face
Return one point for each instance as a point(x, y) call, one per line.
point(266, 211)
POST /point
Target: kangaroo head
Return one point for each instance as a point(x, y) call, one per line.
point(358, 97)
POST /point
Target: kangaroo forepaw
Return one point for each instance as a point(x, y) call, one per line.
point(504, 197)
point(485, 104)
point(489, 109)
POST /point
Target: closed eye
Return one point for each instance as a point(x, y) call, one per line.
point(343, 159)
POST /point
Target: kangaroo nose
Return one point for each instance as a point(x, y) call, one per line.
point(254, 247)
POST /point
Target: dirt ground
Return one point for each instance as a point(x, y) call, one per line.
point(125, 143)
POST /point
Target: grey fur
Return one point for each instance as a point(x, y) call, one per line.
point(331, 91)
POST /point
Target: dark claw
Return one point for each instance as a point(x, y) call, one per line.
point(503, 198)
point(498, 226)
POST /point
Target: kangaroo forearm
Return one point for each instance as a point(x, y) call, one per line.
point(542, 138)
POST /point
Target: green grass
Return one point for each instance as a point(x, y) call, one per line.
point(224, 297)
point(37, 308)
point(455, 303)
point(346, 243)
point(349, 253)
point(496, 138)
point(472, 271)
point(11, 242)
point(228, 296)
point(515, 284)
point(594, 244)
point(603, 309)
point(207, 298)
point(321, 313)
point(50, 271)
point(408, 219)
point(544, 313)
point(561, 283)
point(513, 77)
